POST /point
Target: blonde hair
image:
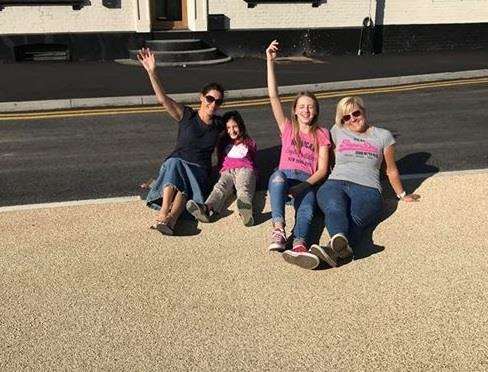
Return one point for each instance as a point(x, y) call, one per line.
point(345, 105)
point(314, 126)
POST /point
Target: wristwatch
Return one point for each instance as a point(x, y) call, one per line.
point(402, 195)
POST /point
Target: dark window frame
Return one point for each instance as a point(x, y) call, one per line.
point(253, 3)
point(75, 4)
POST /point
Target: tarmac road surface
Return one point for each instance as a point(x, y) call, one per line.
point(87, 157)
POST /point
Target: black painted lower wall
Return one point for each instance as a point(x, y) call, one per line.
point(252, 43)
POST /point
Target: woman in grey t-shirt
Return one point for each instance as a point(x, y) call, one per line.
point(351, 197)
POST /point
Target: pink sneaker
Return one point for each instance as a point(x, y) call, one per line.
point(300, 256)
point(278, 240)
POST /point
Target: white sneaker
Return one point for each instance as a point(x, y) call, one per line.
point(300, 256)
point(340, 245)
point(326, 254)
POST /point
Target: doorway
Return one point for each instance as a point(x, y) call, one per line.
point(168, 15)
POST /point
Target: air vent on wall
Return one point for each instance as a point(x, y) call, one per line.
point(42, 52)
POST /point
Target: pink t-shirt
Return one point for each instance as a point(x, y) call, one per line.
point(240, 155)
point(307, 160)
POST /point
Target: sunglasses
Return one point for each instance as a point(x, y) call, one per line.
point(211, 99)
point(347, 117)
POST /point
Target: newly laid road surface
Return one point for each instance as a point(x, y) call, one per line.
point(84, 155)
point(92, 288)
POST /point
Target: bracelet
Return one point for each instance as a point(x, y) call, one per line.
point(402, 195)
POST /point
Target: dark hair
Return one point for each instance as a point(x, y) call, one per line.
point(212, 86)
point(234, 115)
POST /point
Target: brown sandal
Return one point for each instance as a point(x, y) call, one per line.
point(163, 228)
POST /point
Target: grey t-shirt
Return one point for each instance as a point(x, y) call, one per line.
point(358, 156)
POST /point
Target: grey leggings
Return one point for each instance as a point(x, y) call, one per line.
point(244, 181)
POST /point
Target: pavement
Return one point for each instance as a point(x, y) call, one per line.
point(91, 287)
point(59, 85)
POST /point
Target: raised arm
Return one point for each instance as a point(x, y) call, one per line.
point(146, 58)
point(319, 175)
point(274, 98)
point(394, 176)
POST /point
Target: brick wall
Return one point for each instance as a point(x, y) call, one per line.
point(409, 38)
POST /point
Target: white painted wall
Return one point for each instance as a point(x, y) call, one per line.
point(134, 15)
point(349, 13)
point(334, 13)
point(56, 19)
point(435, 11)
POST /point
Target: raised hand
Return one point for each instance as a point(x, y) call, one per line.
point(272, 50)
point(147, 60)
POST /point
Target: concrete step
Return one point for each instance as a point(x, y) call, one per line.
point(215, 61)
point(182, 55)
point(180, 52)
point(184, 44)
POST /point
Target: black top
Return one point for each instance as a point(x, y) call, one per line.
point(196, 140)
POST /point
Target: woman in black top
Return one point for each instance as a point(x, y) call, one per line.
point(184, 174)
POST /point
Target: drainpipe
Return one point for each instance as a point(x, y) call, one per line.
point(143, 16)
point(366, 32)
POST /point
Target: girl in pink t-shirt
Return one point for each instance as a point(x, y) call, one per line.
point(303, 164)
point(237, 163)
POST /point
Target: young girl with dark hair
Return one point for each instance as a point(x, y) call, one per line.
point(237, 154)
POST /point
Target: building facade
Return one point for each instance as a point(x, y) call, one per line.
point(106, 29)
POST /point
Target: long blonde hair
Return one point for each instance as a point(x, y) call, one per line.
point(345, 104)
point(314, 126)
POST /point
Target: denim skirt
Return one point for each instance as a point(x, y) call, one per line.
point(189, 178)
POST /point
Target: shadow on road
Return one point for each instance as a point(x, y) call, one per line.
point(415, 163)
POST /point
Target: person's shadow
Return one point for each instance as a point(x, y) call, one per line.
point(415, 171)
point(187, 227)
point(267, 160)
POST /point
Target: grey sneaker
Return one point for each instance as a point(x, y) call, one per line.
point(341, 246)
point(300, 256)
point(245, 211)
point(197, 210)
point(326, 254)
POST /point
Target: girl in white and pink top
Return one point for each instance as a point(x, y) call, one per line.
point(303, 164)
point(237, 163)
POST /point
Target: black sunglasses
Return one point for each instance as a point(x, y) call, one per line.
point(347, 117)
point(211, 99)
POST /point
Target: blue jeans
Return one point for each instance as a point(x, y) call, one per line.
point(304, 204)
point(349, 208)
